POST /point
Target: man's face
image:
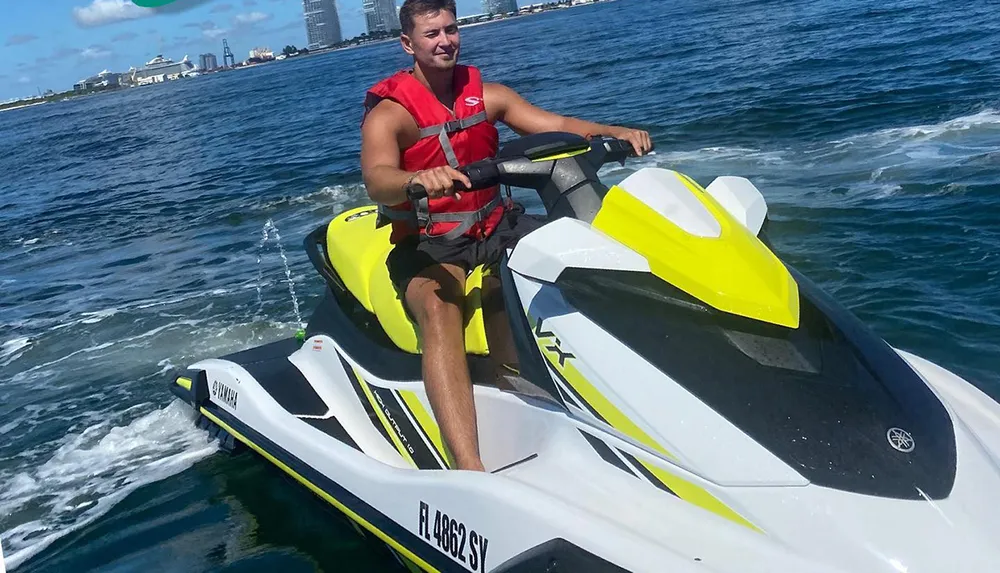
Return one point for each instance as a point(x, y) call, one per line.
point(434, 41)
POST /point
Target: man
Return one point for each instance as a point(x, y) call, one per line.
point(419, 127)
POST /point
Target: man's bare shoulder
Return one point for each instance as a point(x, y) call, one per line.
point(497, 98)
point(390, 118)
point(493, 90)
point(387, 114)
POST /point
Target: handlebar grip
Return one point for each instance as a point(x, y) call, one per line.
point(415, 192)
point(622, 146)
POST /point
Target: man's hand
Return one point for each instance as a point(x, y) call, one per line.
point(440, 181)
point(639, 139)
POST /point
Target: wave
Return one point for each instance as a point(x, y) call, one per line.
point(13, 349)
point(94, 470)
point(987, 119)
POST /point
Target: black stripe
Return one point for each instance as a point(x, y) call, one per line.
point(270, 367)
point(397, 532)
point(438, 457)
point(512, 464)
point(646, 473)
point(607, 454)
point(531, 364)
point(365, 403)
point(422, 456)
point(579, 398)
point(332, 427)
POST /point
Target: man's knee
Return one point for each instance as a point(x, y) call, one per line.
point(436, 299)
point(436, 308)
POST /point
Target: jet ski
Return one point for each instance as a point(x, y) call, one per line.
point(685, 402)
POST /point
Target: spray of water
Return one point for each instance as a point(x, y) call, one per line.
point(268, 233)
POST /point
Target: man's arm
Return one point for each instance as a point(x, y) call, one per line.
point(382, 137)
point(506, 105)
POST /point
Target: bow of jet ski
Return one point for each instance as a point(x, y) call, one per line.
point(686, 400)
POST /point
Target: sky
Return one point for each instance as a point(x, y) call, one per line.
point(52, 44)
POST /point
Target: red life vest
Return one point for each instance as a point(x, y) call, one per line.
point(446, 138)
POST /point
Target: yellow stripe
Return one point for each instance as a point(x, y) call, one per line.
point(184, 383)
point(385, 422)
point(318, 491)
point(561, 155)
point(684, 489)
point(410, 565)
point(427, 424)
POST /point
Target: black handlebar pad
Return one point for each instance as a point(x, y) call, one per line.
point(485, 174)
point(618, 150)
point(482, 174)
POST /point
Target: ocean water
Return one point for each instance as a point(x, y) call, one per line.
point(143, 230)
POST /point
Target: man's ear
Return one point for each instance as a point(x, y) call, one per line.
point(407, 43)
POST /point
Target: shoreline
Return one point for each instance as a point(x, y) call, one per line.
point(63, 96)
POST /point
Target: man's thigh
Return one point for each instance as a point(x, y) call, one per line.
point(434, 287)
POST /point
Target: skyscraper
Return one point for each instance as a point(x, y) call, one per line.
point(499, 6)
point(381, 15)
point(208, 62)
point(322, 23)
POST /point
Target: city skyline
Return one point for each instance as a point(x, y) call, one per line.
point(499, 6)
point(55, 46)
point(322, 20)
point(381, 15)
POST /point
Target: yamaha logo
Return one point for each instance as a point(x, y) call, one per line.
point(900, 440)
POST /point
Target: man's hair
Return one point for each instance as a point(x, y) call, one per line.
point(413, 8)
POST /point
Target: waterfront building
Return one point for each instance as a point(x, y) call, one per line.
point(499, 6)
point(322, 23)
point(381, 15)
point(105, 79)
point(208, 62)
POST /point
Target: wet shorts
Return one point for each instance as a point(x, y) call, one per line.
point(407, 259)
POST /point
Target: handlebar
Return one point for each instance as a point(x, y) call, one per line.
point(486, 173)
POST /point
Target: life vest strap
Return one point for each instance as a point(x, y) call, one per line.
point(454, 125)
point(420, 216)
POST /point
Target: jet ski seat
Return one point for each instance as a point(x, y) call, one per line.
point(358, 251)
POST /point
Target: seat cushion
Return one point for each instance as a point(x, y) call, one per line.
point(358, 251)
point(403, 331)
point(354, 246)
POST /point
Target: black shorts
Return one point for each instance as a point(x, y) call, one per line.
point(407, 259)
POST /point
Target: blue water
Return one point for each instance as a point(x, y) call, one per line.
point(131, 225)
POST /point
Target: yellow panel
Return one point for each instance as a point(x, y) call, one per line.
point(391, 314)
point(385, 422)
point(354, 247)
point(734, 272)
point(684, 489)
point(475, 325)
point(402, 330)
point(184, 383)
point(358, 251)
point(323, 494)
point(427, 424)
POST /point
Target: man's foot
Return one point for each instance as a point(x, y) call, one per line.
point(473, 466)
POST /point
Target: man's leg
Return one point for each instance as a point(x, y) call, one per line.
point(436, 297)
point(498, 333)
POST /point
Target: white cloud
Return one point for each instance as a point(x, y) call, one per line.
point(252, 18)
point(213, 32)
point(101, 12)
point(94, 53)
point(24, 80)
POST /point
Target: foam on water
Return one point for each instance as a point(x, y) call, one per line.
point(92, 471)
point(13, 349)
